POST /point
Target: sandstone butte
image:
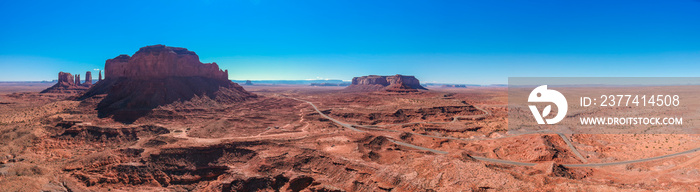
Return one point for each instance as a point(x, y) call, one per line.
point(88, 79)
point(395, 83)
point(159, 75)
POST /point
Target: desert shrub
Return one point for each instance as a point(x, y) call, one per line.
point(24, 169)
point(20, 184)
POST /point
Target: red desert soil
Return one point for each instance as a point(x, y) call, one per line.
point(414, 141)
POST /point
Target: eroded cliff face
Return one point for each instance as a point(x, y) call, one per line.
point(159, 75)
point(88, 79)
point(370, 80)
point(65, 79)
point(395, 83)
point(160, 61)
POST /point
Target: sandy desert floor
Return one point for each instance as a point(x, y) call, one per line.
point(302, 138)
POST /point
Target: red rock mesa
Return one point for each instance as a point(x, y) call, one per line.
point(396, 83)
point(158, 75)
point(159, 61)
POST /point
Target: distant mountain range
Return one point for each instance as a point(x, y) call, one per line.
point(461, 85)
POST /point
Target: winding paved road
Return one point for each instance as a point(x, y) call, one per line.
point(566, 140)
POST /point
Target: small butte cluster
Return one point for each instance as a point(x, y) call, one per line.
point(69, 83)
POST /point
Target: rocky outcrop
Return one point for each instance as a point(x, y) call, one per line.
point(65, 79)
point(99, 75)
point(395, 83)
point(248, 82)
point(67, 83)
point(88, 79)
point(159, 75)
point(159, 61)
point(370, 80)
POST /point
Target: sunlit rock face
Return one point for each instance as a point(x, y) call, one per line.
point(159, 75)
point(160, 61)
point(395, 83)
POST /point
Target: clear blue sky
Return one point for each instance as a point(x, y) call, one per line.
point(479, 42)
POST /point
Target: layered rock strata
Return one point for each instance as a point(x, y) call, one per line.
point(159, 75)
point(395, 83)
